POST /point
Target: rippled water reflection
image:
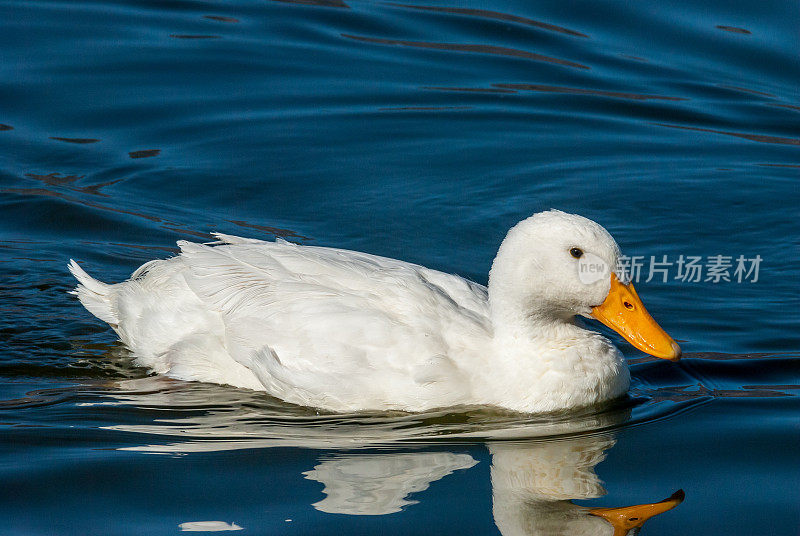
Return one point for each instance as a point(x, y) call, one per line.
point(377, 464)
point(416, 131)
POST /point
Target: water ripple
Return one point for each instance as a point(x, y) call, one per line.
point(80, 141)
point(478, 49)
point(195, 417)
point(752, 137)
point(319, 3)
point(581, 91)
point(220, 18)
point(497, 15)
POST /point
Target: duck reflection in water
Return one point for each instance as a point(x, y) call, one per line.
point(539, 464)
point(533, 484)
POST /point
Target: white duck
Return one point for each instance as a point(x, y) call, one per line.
point(346, 331)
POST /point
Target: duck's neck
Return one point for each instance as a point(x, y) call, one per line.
point(543, 360)
point(519, 317)
point(515, 320)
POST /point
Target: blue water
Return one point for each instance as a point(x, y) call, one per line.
point(421, 132)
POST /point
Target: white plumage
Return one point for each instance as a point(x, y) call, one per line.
point(344, 331)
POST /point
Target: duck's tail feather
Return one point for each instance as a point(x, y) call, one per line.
point(93, 294)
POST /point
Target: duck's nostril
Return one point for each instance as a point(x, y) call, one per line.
point(628, 305)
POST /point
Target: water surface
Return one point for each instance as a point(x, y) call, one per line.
point(415, 131)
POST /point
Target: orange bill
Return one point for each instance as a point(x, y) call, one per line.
point(629, 517)
point(624, 312)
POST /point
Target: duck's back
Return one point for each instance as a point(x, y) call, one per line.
point(314, 326)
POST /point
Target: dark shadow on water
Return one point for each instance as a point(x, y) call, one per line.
point(734, 29)
point(496, 15)
point(320, 3)
point(80, 141)
point(193, 36)
point(473, 48)
point(423, 108)
point(220, 18)
point(583, 91)
point(752, 137)
point(471, 89)
point(68, 181)
point(145, 153)
point(277, 232)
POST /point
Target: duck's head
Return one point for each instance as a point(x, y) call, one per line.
point(553, 266)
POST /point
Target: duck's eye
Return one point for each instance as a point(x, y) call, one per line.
point(576, 252)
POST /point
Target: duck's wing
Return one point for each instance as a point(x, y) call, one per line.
point(335, 328)
point(344, 270)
